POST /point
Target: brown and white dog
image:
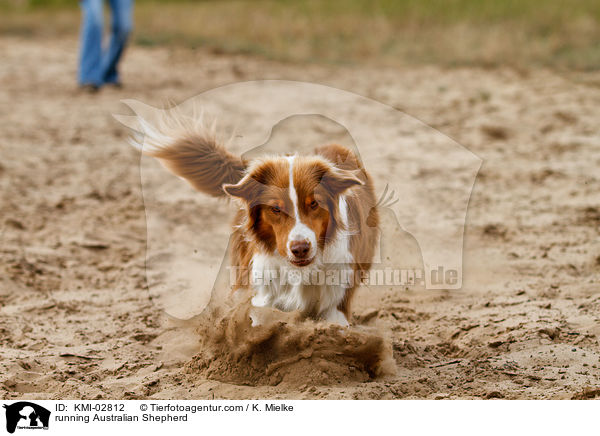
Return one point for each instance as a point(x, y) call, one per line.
point(308, 226)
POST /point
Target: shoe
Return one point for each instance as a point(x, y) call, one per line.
point(116, 85)
point(90, 88)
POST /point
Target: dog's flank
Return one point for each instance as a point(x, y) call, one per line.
point(190, 150)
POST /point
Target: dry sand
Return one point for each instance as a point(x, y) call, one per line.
point(76, 318)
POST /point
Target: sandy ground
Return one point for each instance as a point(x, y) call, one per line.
point(77, 320)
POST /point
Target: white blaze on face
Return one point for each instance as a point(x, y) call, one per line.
point(300, 231)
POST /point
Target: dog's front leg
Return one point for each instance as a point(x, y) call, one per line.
point(262, 298)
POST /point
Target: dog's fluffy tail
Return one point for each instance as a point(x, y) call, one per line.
point(190, 150)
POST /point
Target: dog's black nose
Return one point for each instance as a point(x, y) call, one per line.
point(300, 249)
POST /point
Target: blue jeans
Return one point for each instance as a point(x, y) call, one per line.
point(98, 66)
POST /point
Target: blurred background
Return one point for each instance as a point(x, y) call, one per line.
point(554, 33)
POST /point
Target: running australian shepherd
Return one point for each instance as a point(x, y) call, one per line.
point(310, 216)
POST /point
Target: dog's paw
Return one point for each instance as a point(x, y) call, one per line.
point(260, 300)
point(335, 316)
point(255, 318)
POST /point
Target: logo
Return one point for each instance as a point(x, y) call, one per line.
point(26, 415)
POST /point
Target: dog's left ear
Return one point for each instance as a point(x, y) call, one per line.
point(337, 180)
point(247, 189)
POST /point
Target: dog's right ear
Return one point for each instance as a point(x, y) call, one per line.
point(247, 189)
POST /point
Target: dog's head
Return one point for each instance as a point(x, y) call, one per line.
point(293, 204)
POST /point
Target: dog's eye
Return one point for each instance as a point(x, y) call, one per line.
point(275, 209)
point(314, 204)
